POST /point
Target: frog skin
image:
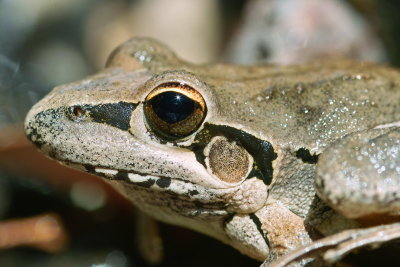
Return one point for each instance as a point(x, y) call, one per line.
point(263, 158)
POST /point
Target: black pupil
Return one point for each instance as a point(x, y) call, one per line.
point(172, 107)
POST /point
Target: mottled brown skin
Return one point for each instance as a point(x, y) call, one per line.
point(320, 102)
point(294, 113)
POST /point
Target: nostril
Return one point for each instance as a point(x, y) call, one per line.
point(76, 112)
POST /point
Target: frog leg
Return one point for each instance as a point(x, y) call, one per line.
point(359, 176)
point(335, 247)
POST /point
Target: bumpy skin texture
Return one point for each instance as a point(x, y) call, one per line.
point(284, 117)
point(367, 164)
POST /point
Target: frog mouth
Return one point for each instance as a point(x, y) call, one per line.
point(200, 201)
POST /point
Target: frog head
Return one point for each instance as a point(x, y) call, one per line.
point(158, 132)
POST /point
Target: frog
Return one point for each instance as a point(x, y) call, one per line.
point(276, 161)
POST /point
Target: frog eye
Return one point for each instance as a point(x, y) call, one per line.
point(174, 110)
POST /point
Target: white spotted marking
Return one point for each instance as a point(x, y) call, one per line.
point(106, 171)
point(137, 178)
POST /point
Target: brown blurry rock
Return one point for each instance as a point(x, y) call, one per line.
point(44, 232)
point(190, 27)
point(296, 31)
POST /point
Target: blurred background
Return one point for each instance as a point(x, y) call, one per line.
point(54, 216)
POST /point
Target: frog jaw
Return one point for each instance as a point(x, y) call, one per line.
point(130, 160)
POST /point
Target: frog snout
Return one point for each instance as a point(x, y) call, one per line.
point(42, 124)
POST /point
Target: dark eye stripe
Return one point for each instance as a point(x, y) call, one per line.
point(114, 114)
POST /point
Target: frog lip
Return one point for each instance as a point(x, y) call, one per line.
point(172, 185)
point(196, 200)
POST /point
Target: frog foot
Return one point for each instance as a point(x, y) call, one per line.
point(333, 248)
